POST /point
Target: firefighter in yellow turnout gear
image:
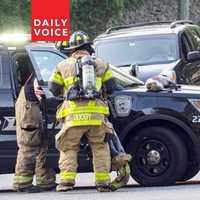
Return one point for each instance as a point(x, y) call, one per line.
point(81, 115)
point(83, 112)
point(120, 159)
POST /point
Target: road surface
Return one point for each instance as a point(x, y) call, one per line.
point(83, 192)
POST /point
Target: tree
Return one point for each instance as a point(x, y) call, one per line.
point(14, 15)
point(95, 16)
point(92, 16)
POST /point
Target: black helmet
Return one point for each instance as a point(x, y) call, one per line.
point(78, 39)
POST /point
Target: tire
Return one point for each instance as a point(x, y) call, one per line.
point(159, 157)
point(191, 171)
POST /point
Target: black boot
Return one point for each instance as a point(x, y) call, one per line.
point(30, 189)
point(103, 189)
point(51, 187)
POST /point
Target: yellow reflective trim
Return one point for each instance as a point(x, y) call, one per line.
point(108, 74)
point(85, 122)
point(70, 81)
point(87, 109)
point(98, 83)
point(102, 176)
point(67, 175)
point(23, 179)
point(92, 103)
point(57, 78)
point(72, 104)
point(68, 111)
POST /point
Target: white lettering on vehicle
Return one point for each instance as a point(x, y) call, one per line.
point(196, 119)
point(9, 124)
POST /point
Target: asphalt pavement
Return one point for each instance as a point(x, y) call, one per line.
point(85, 190)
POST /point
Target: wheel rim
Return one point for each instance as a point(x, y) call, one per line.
point(152, 157)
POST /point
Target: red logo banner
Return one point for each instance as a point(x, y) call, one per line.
point(50, 20)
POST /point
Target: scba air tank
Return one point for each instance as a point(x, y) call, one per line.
point(88, 75)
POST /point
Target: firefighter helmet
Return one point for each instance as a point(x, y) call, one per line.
point(78, 39)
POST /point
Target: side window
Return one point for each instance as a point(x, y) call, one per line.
point(185, 45)
point(22, 68)
point(195, 39)
point(190, 39)
point(4, 75)
point(46, 61)
point(1, 73)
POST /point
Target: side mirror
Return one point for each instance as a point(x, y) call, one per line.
point(134, 69)
point(170, 74)
point(193, 56)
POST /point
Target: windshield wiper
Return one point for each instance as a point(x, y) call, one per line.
point(133, 84)
point(126, 65)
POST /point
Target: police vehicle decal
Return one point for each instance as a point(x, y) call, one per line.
point(196, 119)
point(8, 123)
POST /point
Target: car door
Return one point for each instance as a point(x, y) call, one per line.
point(44, 61)
point(189, 72)
point(8, 147)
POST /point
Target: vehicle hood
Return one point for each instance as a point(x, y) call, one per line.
point(184, 91)
point(189, 91)
point(143, 72)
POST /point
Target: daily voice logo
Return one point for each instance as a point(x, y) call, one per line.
point(50, 20)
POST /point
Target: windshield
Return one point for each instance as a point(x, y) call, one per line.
point(47, 61)
point(124, 79)
point(139, 50)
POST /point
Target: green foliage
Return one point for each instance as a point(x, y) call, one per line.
point(132, 3)
point(14, 15)
point(92, 16)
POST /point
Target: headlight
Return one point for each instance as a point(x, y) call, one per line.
point(123, 105)
point(195, 103)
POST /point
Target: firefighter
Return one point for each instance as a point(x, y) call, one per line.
point(83, 81)
point(32, 145)
point(120, 160)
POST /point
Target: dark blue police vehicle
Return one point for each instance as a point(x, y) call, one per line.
point(160, 129)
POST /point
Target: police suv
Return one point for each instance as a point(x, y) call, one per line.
point(147, 49)
point(160, 129)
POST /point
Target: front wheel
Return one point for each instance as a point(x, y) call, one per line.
point(159, 156)
point(191, 171)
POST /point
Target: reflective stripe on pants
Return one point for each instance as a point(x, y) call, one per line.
point(23, 179)
point(67, 175)
point(102, 177)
